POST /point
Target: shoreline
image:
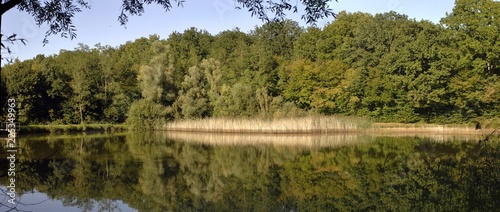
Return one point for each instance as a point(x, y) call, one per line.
point(287, 126)
point(72, 128)
point(317, 125)
point(370, 131)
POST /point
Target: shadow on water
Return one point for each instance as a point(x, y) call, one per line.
point(231, 172)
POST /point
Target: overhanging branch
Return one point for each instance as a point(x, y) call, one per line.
point(8, 5)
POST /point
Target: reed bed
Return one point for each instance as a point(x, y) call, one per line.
point(396, 128)
point(311, 124)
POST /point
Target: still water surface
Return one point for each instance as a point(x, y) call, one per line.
point(233, 172)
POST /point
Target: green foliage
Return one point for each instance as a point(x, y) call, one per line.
point(386, 67)
point(117, 110)
point(193, 97)
point(474, 27)
point(145, 114)
point(27, 86)
point(155, 78)
point(86, 85)
point(235, 101)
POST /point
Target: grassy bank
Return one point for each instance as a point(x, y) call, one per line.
point(448, 129)
point(73, 128)
point(312, 124)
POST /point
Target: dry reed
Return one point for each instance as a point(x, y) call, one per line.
point(397, 128)
point(311, 124)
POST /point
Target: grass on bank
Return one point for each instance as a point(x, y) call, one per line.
point(486, 127)
point(73, 128)
point(310, 124)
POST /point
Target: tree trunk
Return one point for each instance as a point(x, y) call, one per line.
point(81, 113)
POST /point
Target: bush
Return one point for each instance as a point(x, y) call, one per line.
point(146, 115)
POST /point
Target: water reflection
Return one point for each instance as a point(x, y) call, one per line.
point(37, 201)
point(210, 172)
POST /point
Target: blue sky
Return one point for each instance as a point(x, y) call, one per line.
point(100, 24)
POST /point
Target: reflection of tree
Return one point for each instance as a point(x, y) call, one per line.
point(470, 179)
point(152, 173)
point(393, 175)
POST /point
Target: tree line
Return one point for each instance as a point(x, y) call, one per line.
point(386, 66)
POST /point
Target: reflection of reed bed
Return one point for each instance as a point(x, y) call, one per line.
point(311, 124)
point(393, 128)
point(305, 140)
point(433, 137)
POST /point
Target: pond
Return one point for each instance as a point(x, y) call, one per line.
point(166, 171)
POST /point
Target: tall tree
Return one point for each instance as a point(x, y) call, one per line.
point(28, 87)
point(87, 99)
point(193, 96)
point(231, 49)
point(188, 49)
point(157, 87)
point(155, 78)
point(474, 26)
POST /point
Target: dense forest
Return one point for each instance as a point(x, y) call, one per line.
point(387, 67)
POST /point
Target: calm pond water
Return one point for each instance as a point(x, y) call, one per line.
point(213, 172)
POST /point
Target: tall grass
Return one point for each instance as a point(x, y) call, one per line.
point(450, 129)
point(310, 124)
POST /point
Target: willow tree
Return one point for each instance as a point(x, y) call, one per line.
point(157, 89)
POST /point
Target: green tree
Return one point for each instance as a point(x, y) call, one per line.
point(157, 88)
point(273, 43)
point(473, 27)
point(231, 49)
point(193, 96)
point(155, 79)
point(116, 98)
point(213, 73)
point(87, 100)
point(57, 79)
point(243, 102)
point(306, 45)
point(146, 115)
point(27, 86)
point(188, 49)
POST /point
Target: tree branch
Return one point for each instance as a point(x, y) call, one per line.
point(8, 5)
